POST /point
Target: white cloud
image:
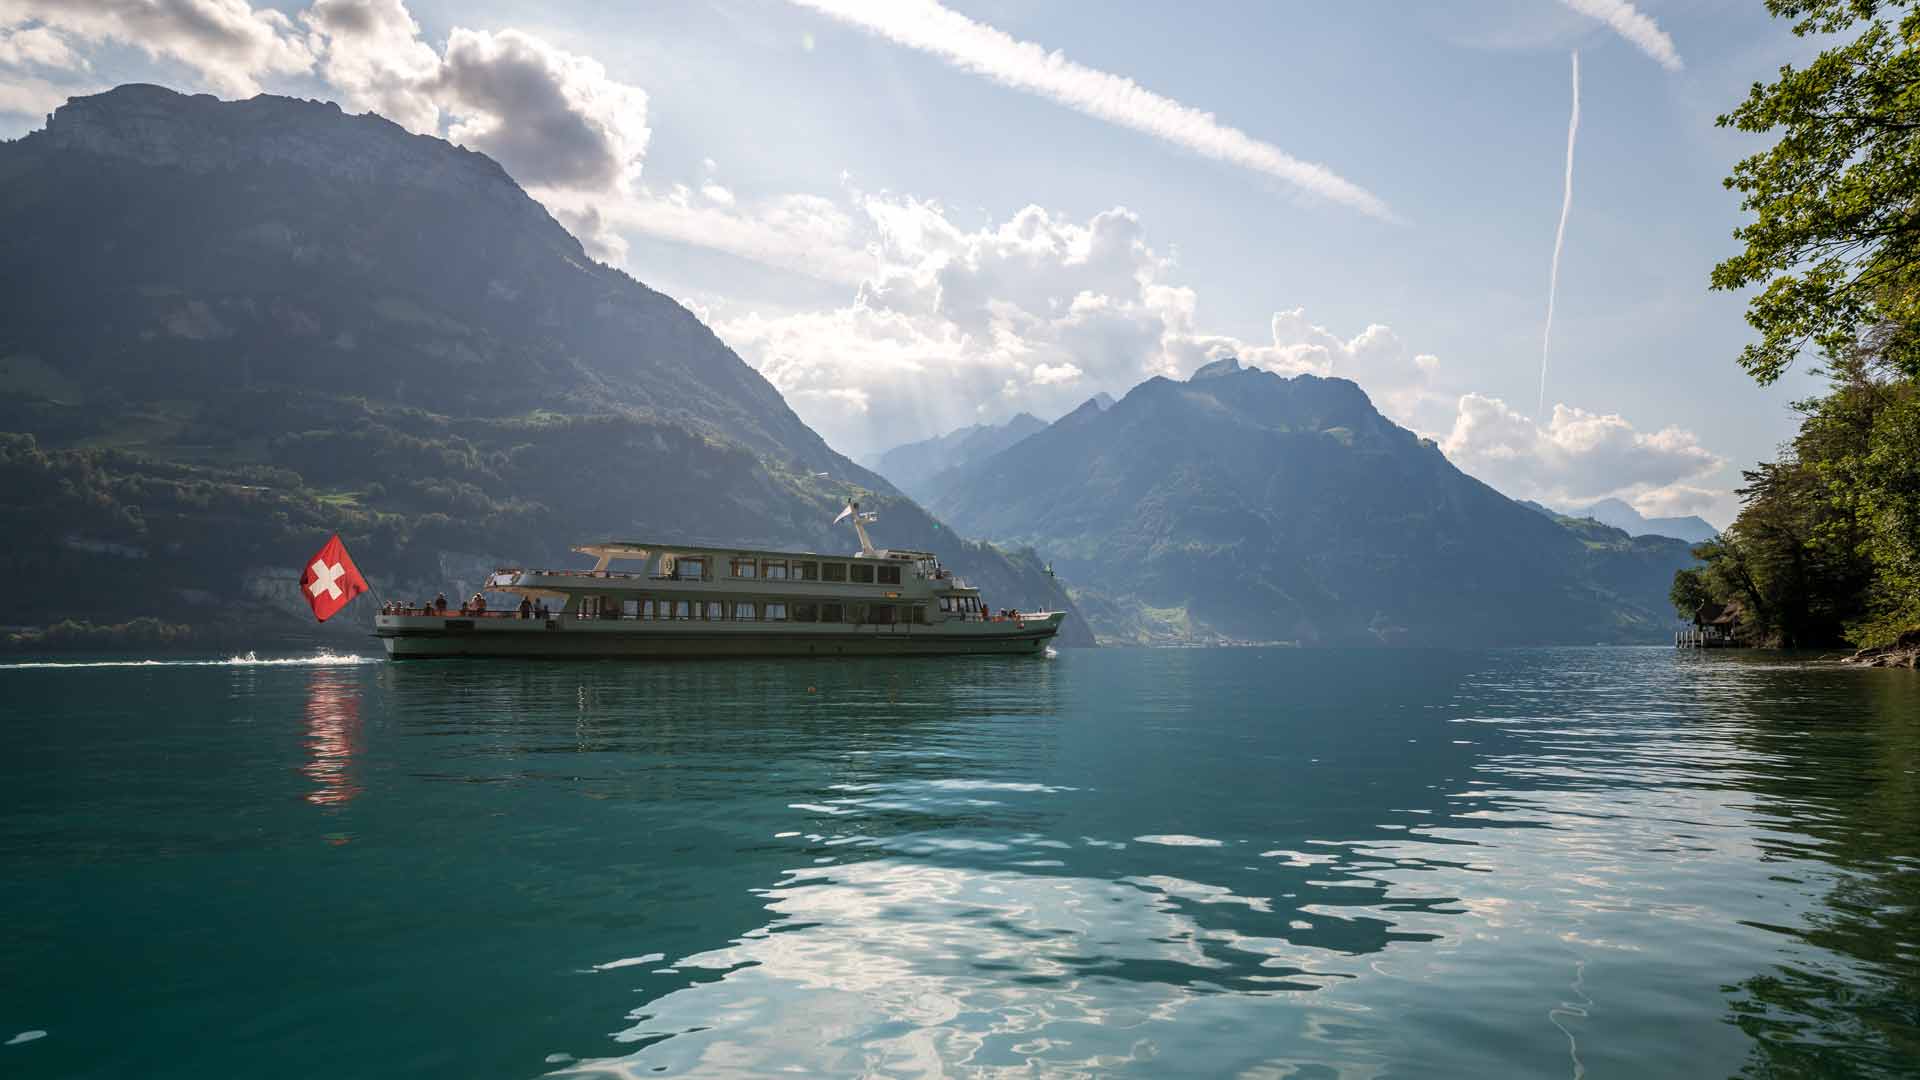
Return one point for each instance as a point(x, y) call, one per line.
point(229, 42)
point(1577, 457)
point(552, 118)
point(371, 51)
point(951, 326)
point(804, 234)
point(1023, 65)
point(38, 46)
point(24, 95)
point(1633, 25)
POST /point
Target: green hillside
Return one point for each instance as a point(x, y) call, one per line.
point(235, 327)
point(1243, 506)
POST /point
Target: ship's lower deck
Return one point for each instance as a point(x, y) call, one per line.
point(410, 637)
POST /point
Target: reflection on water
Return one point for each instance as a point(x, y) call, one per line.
point(1175, 863)
point(333, 729)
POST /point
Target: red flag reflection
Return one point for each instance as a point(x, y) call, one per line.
point(333, 733)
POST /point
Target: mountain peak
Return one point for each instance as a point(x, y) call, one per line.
point(199, 133)
point(1227, 365)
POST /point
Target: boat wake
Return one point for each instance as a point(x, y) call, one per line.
point(322, 658)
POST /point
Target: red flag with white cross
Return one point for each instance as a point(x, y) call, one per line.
point(331, 580)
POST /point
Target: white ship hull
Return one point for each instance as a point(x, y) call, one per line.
point(422, 637)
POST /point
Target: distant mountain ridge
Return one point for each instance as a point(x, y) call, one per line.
point(913, 467)
point(1624, 517)
point(1239, 505)
point(234, 327)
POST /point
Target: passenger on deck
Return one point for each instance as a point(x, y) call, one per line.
point(440, 603)
point(540, 609)
point(478, 604)
point(526, 608)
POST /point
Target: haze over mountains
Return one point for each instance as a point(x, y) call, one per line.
point(916, 466)
point(1622, 516)
point(235, 327)
point(1241, 505)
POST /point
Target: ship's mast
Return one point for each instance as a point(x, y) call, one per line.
point(860, 520)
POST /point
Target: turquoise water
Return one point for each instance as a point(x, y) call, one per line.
point(1605, 862)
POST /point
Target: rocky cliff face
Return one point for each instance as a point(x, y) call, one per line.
point(237, 324)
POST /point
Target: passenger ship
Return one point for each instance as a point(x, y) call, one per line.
point(694, 600)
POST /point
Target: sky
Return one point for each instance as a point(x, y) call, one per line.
point(912, 216)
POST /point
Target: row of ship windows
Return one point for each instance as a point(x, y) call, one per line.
point(797, 570)
point(753, 611)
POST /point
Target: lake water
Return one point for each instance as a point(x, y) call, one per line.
point(1273, 863)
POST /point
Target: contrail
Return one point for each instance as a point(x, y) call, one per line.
point(972, 46)
point(1559, 239)
point(1628, 21)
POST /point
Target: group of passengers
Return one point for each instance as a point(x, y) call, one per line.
point(475, 605)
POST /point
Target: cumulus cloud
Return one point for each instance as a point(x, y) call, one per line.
point(1577, 457)
point(1633, 25)
point(552, 118)
point(38, 46)
point(1028, 67)
point(371, 51)
point(229, 42)
point(951, 326)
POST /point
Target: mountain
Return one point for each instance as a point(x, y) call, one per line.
point(231, 328)
point(914, 466)
point(1241, 505)
point(1624, 517)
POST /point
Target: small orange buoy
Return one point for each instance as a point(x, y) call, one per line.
point(809, 689)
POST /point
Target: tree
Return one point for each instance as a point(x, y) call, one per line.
point(1836, 235)
point(1690, 591)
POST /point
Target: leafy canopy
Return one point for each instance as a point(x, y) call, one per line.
point(1836, 235)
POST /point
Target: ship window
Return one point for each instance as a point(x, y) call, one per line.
point(881, 614)
point(806, 613)
point(833, 571)
point(863, 574)
point(806, 571)
point(773, 568)
point(920, 614)
point(630, 608)
point(776, 613)
point(689, 568)
point(646, 609)
point(716, 610)
point(743, 611)
point(680, 610)
point(830, 613)
point(743, 568)
point(889, 575)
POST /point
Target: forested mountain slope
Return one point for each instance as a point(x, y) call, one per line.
point(1242, 505)
point(234, 327)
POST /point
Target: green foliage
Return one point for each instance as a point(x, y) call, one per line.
point(1835, 239)
point(1827, 545)
point(72, 635)
point(1690, 591)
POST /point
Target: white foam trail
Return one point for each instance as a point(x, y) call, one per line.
point(319, 659)
point(1559, 240)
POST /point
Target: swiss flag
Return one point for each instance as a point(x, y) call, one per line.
point(331, 580)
